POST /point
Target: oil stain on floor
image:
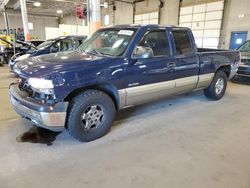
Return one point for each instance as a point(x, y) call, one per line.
point(38, 135)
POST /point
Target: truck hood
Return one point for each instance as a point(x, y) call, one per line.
point(56, 62)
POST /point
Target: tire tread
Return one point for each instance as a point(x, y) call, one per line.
point(74, 106)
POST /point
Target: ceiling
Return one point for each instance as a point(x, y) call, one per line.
point(3, 3)
point(47, 8)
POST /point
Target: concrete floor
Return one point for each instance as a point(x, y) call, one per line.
point(186, 141)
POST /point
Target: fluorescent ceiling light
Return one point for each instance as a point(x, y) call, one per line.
point(240, 16)
point(59, 11)
point(106, 5)
point(37, 4)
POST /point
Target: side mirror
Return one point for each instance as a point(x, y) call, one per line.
point(141, 52)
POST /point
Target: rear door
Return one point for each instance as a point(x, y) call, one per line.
point(186, 59)
point(151, 78)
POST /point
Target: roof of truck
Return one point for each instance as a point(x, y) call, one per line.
point(136, 26)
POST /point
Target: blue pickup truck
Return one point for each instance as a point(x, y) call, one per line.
point(116, 67)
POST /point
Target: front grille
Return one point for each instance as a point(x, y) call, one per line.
point(24, 86)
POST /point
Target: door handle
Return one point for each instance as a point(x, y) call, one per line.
point(171, 65)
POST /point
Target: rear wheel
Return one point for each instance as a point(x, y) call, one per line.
point(90, 116)
point(218, 86)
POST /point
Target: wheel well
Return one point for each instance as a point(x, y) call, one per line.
point(109, 90)
point(226, 69)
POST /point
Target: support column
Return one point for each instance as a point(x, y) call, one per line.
point(6, 20)
point(25, 20)
point(95, 15)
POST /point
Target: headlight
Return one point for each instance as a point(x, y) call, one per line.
point(16, 69)
point(41, 85)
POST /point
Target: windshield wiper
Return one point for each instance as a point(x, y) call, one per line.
point(93, 52)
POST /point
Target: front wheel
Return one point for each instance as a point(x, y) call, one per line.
point(218, 86)
point(91, 115)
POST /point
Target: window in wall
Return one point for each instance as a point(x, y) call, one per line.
point(106, 19)
point(157, 41)
point(148, 18)
point(30, 26)
point(182, 42)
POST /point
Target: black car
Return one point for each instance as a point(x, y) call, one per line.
point(36, 43)
point(243, 73)
point(18, 47)
point(59, 44)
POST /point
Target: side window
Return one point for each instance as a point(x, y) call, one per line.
point(78, 42)
point(55, 47)
point(66, 45)
point(156, 40)
point(182, 42)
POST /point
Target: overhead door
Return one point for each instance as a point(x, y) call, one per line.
point(147, 18)
point(205, 20)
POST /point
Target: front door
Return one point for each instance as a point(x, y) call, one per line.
point(237, 39)
point(151, 78)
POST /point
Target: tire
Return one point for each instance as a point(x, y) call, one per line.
point(90, 115)
point(218, 86)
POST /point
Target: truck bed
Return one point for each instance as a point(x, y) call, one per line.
point(211, 59)
point(202, 50)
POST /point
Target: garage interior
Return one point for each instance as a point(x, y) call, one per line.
point(181, 141)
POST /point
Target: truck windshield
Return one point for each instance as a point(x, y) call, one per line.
point(110, 42)
point(245, 47)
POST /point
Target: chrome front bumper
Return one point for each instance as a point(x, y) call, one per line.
point(52, 117)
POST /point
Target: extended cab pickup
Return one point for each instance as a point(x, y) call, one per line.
point(116, 67)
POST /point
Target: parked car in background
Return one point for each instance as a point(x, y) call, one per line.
point(35, 43)
point(117, 67)
point(243, 74)
point(59, 44)
point(19, 47)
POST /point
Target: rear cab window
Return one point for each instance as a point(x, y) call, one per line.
point(182, 41)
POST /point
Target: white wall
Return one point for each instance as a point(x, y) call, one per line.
point(232, 22)
point(124, 12)
point(168, 14)
point(63, 30)
point(39, 24)
point(122, 15)
point(72, 20)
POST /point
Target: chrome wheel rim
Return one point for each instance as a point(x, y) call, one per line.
point(219, 86)
point(92, 117)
